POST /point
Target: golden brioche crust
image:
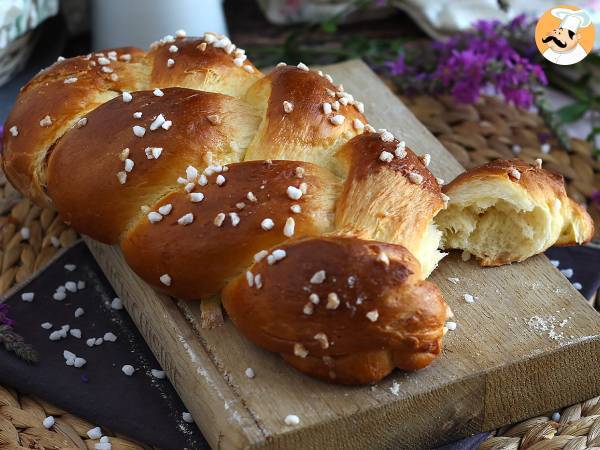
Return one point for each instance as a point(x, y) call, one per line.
point(52, 102)
point(196, 65)
point(377, 196)
point(80, 156)
point(307, 132)
point(67, 90)
point(226, 231)
point(360, 285)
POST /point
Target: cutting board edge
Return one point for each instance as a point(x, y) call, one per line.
point(562, 364)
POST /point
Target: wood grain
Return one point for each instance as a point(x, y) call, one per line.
point(495, 368)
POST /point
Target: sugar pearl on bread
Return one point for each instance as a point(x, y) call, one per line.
point(333, 301)
point(300, 350)
point(288, 107)
point(294, 193)
point(322, 339)
point(267, 224)
point(415, 178)
point(373, 315)
point(318, 277)
point(219, 219)
point(338, 119)
point(386, 156)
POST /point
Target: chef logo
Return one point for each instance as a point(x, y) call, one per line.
point(565, 35)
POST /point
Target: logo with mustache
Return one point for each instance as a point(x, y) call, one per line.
point(564, 35)
point(554, 39)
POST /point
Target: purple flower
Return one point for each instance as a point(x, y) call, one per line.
point(4, 319)
point(596, 197)
point(396, 67)
point(470, 62)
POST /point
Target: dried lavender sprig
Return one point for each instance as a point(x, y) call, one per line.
point(13, 342)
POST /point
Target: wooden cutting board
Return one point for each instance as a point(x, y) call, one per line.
point(528, 345)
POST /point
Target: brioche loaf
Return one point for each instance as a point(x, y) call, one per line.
point(211, 176)
point(507, 211)
point(274, 192)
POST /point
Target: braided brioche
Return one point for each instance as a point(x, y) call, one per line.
point(271, 191)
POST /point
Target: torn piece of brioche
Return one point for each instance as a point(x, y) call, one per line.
point(507, 211)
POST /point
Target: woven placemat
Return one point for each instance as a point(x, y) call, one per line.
point(30, 236)
point(21, 418)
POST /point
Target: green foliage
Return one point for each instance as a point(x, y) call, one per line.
point(573, 112)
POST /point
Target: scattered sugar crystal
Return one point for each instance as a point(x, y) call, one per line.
point(567, 272)
point(76, 333)
point(469, 298)
point(55, 335)
point(127, 370)
point(80, 362)
point(291, 420)
point(116, 303)
point(95, 433)
point(160, 374)
point(48, 422)
point(110, 337)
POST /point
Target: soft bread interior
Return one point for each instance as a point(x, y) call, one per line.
point(579, 226)
point(499, 222)
point(427, 252)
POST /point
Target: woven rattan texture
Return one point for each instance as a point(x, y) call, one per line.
point(473, 134)
point(577, 429)
point(21, 427)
